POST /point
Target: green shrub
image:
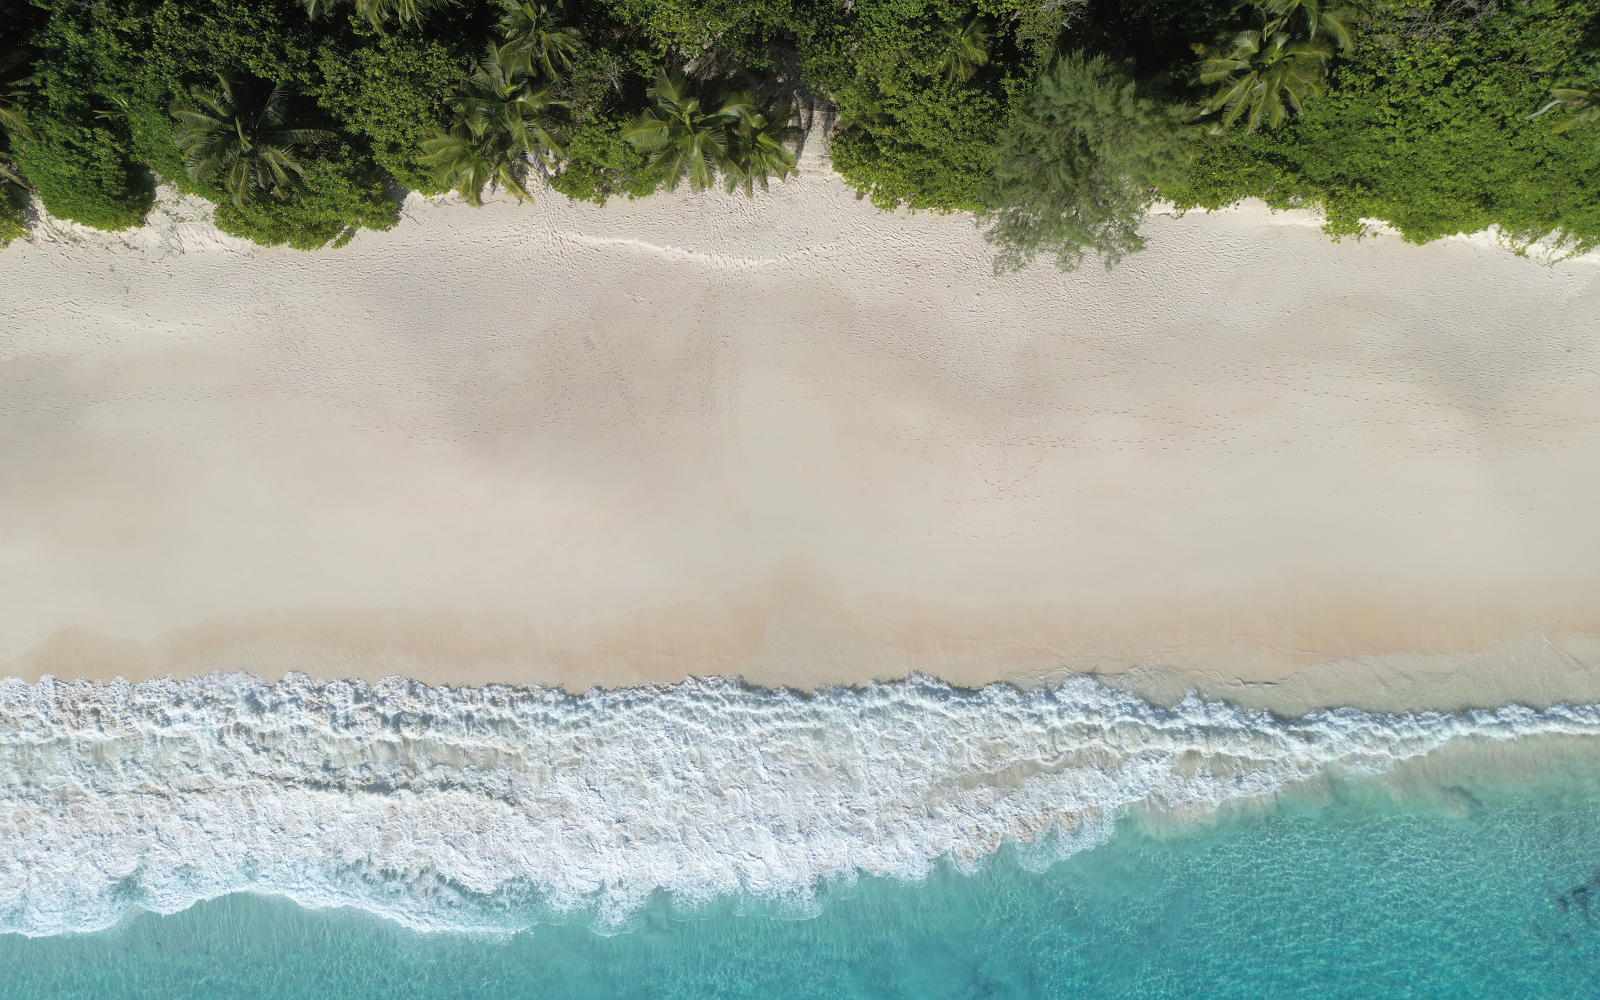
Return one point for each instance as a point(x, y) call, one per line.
point(395, 93)
point(83, 173)
point(341, 193)
point(923, 149)
point(150, 127)
point(910, 135)
point(599, 164)
point(687, 28)
point(79, 157)
point(13, 223)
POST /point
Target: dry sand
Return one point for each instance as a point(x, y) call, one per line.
point(805, 442)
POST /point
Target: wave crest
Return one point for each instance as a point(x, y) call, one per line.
point(479, 808)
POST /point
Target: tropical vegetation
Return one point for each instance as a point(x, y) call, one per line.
point(15, 78)
point(762, 146)
point(1087, 153)
point(504, 119)
point(246, 146)
point(702, 131)
point(1582, 101)
point(686, 130)
point(1059, 123)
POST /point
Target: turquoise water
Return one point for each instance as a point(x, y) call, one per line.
point(1469, 890)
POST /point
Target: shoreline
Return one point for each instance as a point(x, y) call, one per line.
point(1375, 646)
point(1249, 456)
point(701, 791)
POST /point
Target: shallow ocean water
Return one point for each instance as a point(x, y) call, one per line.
point(1473, 890)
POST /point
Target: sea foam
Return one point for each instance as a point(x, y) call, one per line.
point(484, 808)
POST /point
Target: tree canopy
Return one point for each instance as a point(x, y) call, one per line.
point(687, 130)
point(1086, 155)
point(505, 117)
point(1425, 114)
point(247, 145)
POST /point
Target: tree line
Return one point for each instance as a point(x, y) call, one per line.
point(1057, 122)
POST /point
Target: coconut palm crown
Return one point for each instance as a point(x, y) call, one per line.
point(378, 12)
point(504, 118)
point(1263, 77)
point(1315, 19)
point(966, 51)
point(1581, 103)
point(16, 76)
point(759, 148)
point(248, 146)
point(687, 133)
point(542, 44)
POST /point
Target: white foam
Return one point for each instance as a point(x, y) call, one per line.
point(477, 808)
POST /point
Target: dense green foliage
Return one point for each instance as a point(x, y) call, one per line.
point(244, 137)
point(82, 171)
point(1084, 158)
point(1426, 127)
point(914, 132)
point(1417, 112)
point(13, 220)
point(16, 77)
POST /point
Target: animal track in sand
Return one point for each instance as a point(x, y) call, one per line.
point(715, 260)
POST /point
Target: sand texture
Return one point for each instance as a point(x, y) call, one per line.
point(805, 442)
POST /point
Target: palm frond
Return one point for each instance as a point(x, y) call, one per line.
point(686, 132)
point(1263, 77)
point(501, 115)
point(540, 43)
point(9, 174)
point(11, 122)
point(1314, 18)
point(16, 76)
point(759, 149)
point(647, 133)
point(240, 144)
point(966, 51)
point(378, 12)
point(1582, 105)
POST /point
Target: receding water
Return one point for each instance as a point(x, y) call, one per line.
point(1361, 895)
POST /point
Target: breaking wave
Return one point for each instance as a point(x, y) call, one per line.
point(490, 808)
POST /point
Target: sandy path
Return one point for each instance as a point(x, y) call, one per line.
point(1246, 450)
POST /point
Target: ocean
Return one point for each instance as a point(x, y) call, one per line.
point(220, 837)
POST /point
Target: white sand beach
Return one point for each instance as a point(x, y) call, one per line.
point(802, 441)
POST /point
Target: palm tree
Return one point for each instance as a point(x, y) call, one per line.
point(1337, 23)
point(16, 75)
point(966, 49)
point(503, 119)
point(758, 148)
point(378, 11)
point(248, 147)
point(1265, 75)
point(685, 132)
point(1582, 104)
point(544, 45)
